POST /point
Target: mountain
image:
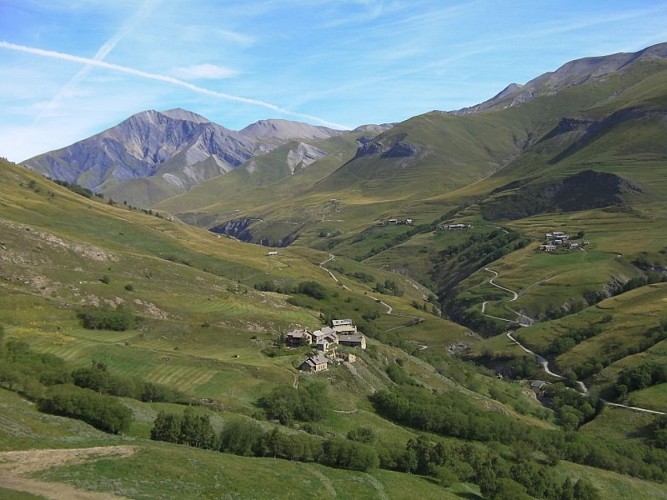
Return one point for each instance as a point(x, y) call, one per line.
point(154, 155)
point(286, 130)
point(571, 74)
point(508, 268)
point(505, 154)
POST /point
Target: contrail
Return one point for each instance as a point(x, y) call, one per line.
point(100, 55)
point(162, 78)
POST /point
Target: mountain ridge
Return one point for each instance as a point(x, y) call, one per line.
point(176, 147)
point(571, 73)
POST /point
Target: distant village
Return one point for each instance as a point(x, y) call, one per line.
point(342, 332)
point(454, 227)
point(396, 222)
point(558, 239)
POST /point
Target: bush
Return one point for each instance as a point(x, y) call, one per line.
point(312, 289)
point(241, 438)
point(349, 455)
point(285, 403)
point(192, 429)
point(105, 318)
point(362, 435)
point(103, 412)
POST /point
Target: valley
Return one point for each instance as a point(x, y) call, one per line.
point(506, 264)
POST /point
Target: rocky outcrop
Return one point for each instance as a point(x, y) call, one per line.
point(241, 230)
point(236, 228)
point(303, 155)
point(386, 146)
point(401, 150)
point(583, 191)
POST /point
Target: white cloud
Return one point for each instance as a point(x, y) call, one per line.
point(236, 37)
point(162, 78)
point(68, 90)
point(204, 72)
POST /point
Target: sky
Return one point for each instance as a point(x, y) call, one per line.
point(72, 68)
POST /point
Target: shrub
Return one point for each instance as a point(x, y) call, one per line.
point(105, 318)
point(312, 289)
point(103, 412)
point(363, 435)
point(285, 403)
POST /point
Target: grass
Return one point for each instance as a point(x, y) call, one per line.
point(627, 425)
point(652, 397)
point(613, 486)
point(624, 320)
point(161, 470)
point(17, 495)
point(204, 325)
point(22, 427)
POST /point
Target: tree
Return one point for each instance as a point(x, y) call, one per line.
point(349, 455)
point(280, 404)
point(241, 437)
point(166, 427)
point(285, 403)
point(196, 430)
point(105, 318)
point(584, 490)
point(101, 411)
point(363, 435)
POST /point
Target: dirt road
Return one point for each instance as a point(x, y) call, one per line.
point(15, 464)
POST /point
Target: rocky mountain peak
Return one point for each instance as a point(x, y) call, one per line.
point(287, 130)
point(184, 114)
point(178, 145)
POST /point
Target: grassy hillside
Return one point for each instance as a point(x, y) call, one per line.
point(206, 330)
point(431, 295)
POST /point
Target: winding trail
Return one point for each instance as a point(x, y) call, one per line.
point(390, 309)
point(582, 387)
point(540, 360)
point(636, 408)
point(523, 319)
point(543, 362)
point(333, 276)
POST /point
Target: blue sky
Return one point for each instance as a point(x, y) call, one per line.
point(71, 68)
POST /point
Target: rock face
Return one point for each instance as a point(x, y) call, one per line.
point(180, 147)
point(303, 155)
point(585, 190)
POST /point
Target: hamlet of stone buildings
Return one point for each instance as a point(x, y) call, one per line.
point(342, 332)
point(559, 239)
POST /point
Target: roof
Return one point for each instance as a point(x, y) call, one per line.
point(338, 322)
point(327, 330)
point(298, 333)
point(316, 360)
point(350, 338)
